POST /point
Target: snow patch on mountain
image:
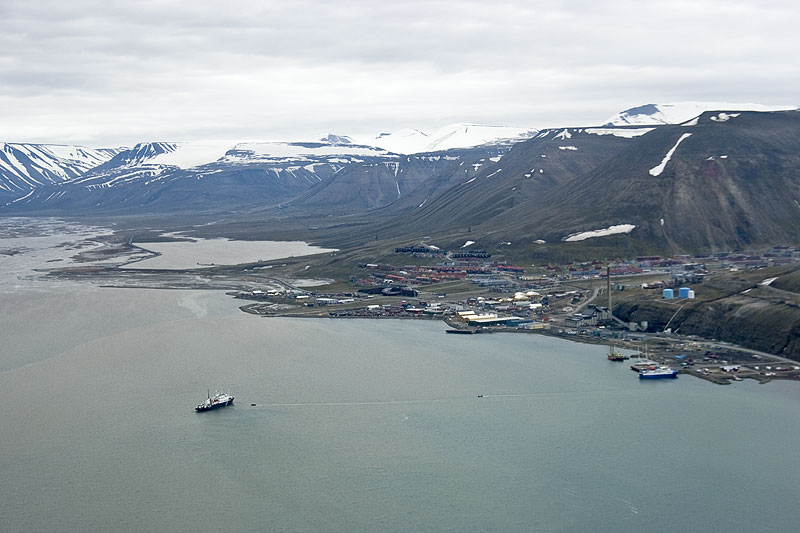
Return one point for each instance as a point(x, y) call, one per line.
point(679, 112)
point(627, 133)
point(724, 117)
point(495, 172)
point(658, 169)
point(611, 230)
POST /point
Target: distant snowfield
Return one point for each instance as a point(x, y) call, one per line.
point(680, 112)
point(411, 141)
point(193, 154)
point(88, 156)
point(204, 253)
point(296, 150)
point(611, 230)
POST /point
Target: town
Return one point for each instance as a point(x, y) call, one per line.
point(474, 293)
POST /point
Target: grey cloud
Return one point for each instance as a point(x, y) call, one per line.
point(377, 65)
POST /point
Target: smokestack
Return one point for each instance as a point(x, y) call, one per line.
point(608, 288)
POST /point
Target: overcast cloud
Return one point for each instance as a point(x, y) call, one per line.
point(105, 73)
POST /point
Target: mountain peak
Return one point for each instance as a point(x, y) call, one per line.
point(332, 138)
point(24, 166)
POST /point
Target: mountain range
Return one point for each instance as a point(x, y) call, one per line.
point(169, 176)
point(726, 181)
point(669, 177)
point(26, 166)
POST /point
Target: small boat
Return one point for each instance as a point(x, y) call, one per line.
point(220, 399)
point(643, 363)
point(615, 355)
point(461, 331)
point(660, 372)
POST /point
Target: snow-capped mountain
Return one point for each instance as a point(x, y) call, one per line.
point(26, 166)
point(723, 180)
point(411, 141)
point(191, 155)
point(679, 112)
point(332, 138)
point(180, 154)
point(502, 185)
point(307, 176)
point(157, 161)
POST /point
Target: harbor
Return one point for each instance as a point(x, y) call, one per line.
point(707, 359)
point(479, 296)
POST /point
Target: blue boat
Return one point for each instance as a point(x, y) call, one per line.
point(660, 372)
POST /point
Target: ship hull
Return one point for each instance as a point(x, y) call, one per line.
point(662, 375)
point(211, 407)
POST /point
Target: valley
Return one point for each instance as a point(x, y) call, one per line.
point(716, 193)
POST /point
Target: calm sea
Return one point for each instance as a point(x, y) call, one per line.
point(362, 426)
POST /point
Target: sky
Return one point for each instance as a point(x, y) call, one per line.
point(105, 73)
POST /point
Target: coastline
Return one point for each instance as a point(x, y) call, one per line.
point(245, 277)
point(660, 351)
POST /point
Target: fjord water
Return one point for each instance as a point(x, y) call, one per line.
point(363, 425)
point(358, 425)
point(207, 252)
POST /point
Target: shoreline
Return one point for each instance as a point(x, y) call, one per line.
point(244, 277)
point(660, 353)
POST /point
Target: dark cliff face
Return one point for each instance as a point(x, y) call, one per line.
point(508, 193)
point(729, 185)
point(768, 327)
point(399, 184)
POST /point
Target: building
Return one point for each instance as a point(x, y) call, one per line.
point(592, 316)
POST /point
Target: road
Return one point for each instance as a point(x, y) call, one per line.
point(589, 300)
